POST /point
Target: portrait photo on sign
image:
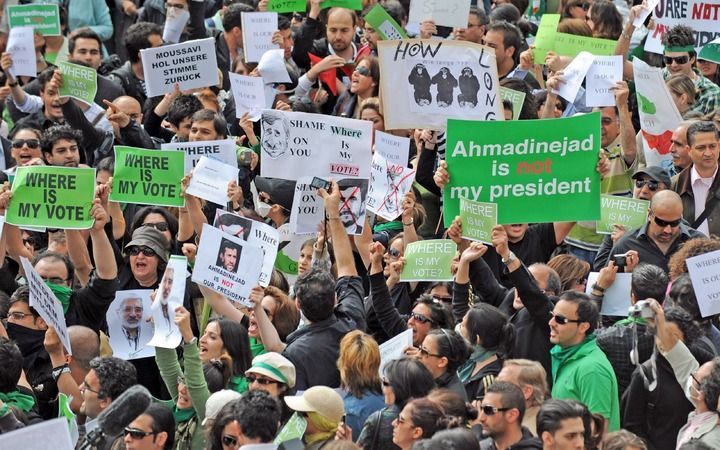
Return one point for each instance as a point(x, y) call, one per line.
point(234, 224)
point(353, 197)
point(388, 185)
point(128, 326)
point(229, 255)
point(275, 134)
point(169, 295)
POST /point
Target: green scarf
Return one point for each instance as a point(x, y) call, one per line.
point(631, 319)
point(238, 383)
point(62, 293)
point(388, 226)
point(479, 355)
point(183, 415)
point(19, 400)
point(256, 347)
point(559, 355)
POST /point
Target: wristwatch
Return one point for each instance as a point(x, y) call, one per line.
point(511, 257)
point(57, 371)
point(193, 341)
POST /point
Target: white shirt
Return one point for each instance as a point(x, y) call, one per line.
point(701, 187)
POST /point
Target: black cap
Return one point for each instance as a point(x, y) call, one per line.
point(280, 191)
point(655, 173)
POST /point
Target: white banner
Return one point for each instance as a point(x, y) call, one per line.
point(395, 149)
point(703, 16)
point(222, 150)
point(175, 20)
point(388, 185)
point(249, 95)
point(257, 30)
point(307, 208)
point(21, 47)
point(603, 74)
point(170, 295)
point(447, 13)
point(705, 276)
point(128, 326)
point(192, 64)
point(210, 180)
point(394, 348)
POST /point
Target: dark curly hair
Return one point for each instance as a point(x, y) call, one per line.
point(57, 132)
point(115, 375)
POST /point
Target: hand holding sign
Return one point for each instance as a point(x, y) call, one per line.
point(182, 320)
point(500, 241)
point(99, 214)
point(55, 84)
point(331, 200)
point(52, 343)
point(442, 176)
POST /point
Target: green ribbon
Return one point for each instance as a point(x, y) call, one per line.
point(238, 383)
point(388, 226)
point(62, 293)
point(19, 400)
point(684, 48)
point(183, 415)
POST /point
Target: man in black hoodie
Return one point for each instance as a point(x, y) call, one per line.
point(501, 415)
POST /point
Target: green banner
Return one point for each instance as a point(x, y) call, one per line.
point(535, 170)
point(349, 4)
point(429, 260)
point(478, 220)
point(44, 18)
point(547, 29)
point(628, 212)
point(79, 82)
point(284, 6)
point(53, 197)
point(563, 44)
point(148, 177)
point(384, 25)
point(516, 97)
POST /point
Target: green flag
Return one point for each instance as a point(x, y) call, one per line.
point(384, 24)
point(428, 260)
point(629, 212)
point(349, 4)
point(79, 82)
point(44, 18)
point(53, 197)
point(478, 220)
point(284, 6)
point(516, 97)
point(148, 177)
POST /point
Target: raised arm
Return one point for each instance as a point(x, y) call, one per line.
point(341, 242)
point(627, 130)
point(103, 255)
point(65, 382)
point(268, 334)
point(220, 304)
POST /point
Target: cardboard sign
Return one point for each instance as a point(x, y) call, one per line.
point(478, 220)
point(428, 260)
point(249, 95)
point(384, 25)
point(43, 18)
point(175, 21)
point(516, 97)
point(191, 64)
point(447, 13)
point(128, 326)
point(148, 177)
point(426, 82)
point(523, 164)
point(170, 295)
point(307, 210)
point(604, 73)
point(705, 277)
point(700, 15)
point(395, 149)
point(628, 212)
point(53, 197)
point(210, 180)
point(22, 49)
point(221, 150)
point(393, 349)
point(388, 185)
point(79, 82)
point(257, 29)
point(617, 297)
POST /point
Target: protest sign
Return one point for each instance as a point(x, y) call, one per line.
point(545, 36)
point(617, 297)
point(704, 273)
point(170, 295)
point(573, 76)
point(603, 74)
point(258, 29)
point(426, 82)
point(395, 149)
point(659, 115)
point(394, 348)
point(428, 260)
point(79, 82)
point(357, 5)
point(65, 412)
point(43, 18)
point(389, 183)
point(128, 326)
point(700, 15)
point(249, 95)
point(294, 429)
point(516, 97)
point(645, 13)
point(288, 255)
point(44, 302)
point(447, 13)
point(555, 166)
point(227, 264)
point(191, 64)
point(21, 46)
point(54, 434)
point(284, 6)
point(307, 208)
point(210, 180)
point(563, 44)
point(295, 144)
point(383, 24)
point(51, 196)
point(478, 220)
point(629, 212)
point(148, 177)
point(272, 67)
point(222, 150)
point(175, 20)
point(353, 204)
point(256, 233)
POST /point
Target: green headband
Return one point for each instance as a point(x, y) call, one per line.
point(685, 48)
point(273, 370)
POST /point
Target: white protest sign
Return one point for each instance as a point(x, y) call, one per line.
point(395, 149)
point(2, 224)
point(249, 95)
point(170, 295)
point(227, 265)
point(573, 76)
point(21, 47)
point(704, 273)
point(659, 116)
point(601, 77)
point(175, 20)
point(272, 67)
point(307, 208)
point(447, 13)
point(389, 183)
point(54, 434)
point(257, 30)
point(221, 150)
point(700, 15)
point(617, 297)
point(192, 64)
point(128, 326)
point(296, 144)
point(644, 13)
point(45, 303)
point(426, 82)
point(393, 348)
point(210, 180)
point(353, 204)
point(254, 232)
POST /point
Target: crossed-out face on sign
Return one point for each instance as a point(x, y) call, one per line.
point(352, 205)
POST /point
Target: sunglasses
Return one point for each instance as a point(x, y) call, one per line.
point(437, 299)
point(585, 6)
point(160, 226)
point(136, 433)
point(31, 143)
point(562, 320)
point(137, 249)
point(395, 253)
point(668, 60)
point(667, 223)
point(651, 184)
point(385, 383)
point(490, 410)
point(229, 441)
point(364, 71)
point(422, 319)
point(264, 381)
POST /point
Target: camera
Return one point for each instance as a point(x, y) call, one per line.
point(319, 183)
point(641, 309)
point(620, 261)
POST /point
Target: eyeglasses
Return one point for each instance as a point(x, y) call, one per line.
point(422, 319)
point(137, 249)
point(585, 7)
point(490, 410)
point(362, 70)
point(442, 299)
point(136, 433)
point(651, 184)
point(385, 383)
point(264, 381)
point(31, 143)
point(667, 223)
point(85, 387)
point(229, 441)
point(395, 253)
point(17, 315)
point(426, 354)
point(160, 226)
point(562, 320)
point(668, 60)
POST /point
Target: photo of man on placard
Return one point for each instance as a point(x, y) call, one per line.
point(229, 255)
point(353, 193)
point(130, 312)
point(233, 224)
point(275, 135)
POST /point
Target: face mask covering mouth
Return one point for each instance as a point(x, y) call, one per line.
point(263, 209)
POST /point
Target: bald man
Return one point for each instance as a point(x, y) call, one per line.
point(662, 235)
point(131, 107)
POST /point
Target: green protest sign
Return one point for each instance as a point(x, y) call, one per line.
point(148, 177)
point(53, 197)
point(544, 37)
point(293, 429)
point(79, 82)
point(535, 170)
point(384, 24)
point(348, 4)
point(428, 260)
point(478, 220)
point(284, 6)
point(516, 97)
point(628, 212)
point(44, 18)
point(571, 45)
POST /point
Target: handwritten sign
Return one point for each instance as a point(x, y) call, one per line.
point(602, 76)
point(249, 95)
point(257, 29)
point(22, 49)
point(705, 277)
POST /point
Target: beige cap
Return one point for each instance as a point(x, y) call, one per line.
point(320, 399)
point(274, 365)
point(216, 401)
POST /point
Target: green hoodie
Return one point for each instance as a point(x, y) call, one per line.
point(583, 372)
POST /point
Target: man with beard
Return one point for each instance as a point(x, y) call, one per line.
point(131, 313)
point(228, 256)
point(165, 290)
point(352, 211)
point(60, 146)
